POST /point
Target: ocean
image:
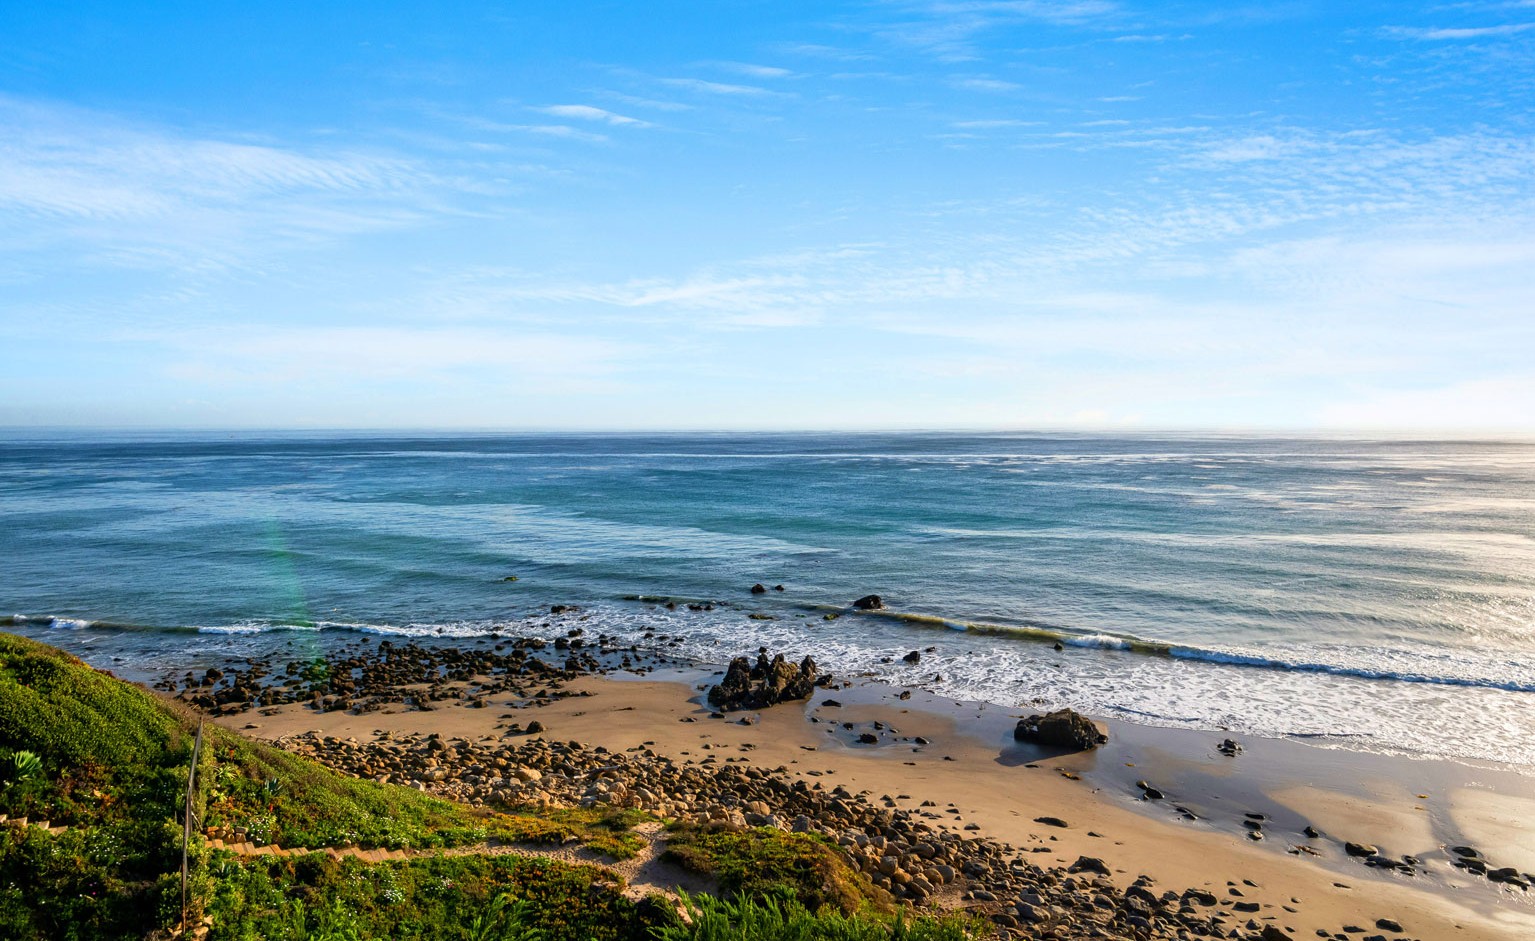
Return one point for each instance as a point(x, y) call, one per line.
point(1368, 594)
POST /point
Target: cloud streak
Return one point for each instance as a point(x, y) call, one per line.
point(1454, 33)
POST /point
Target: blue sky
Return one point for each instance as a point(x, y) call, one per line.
point(1024, 214)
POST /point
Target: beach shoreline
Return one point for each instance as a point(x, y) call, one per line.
point(1000, 788)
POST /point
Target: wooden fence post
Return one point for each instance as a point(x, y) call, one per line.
point(186, 826)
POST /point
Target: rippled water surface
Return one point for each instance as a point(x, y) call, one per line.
point(1374, 593)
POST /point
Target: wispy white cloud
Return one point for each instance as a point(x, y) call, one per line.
point(1463, 32)
point(558, 130)
point(1050, 11)
point(718, 88)
point(655, 104)
point(983, 124)
point(821, 51)
point(951, 29)
point(984, 84)
point(240, 354)
point(591, 113)
point(66, 162)
point(754, 70)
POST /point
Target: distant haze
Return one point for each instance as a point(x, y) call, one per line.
point(890, 214)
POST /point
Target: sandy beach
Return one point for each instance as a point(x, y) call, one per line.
point(956, 765)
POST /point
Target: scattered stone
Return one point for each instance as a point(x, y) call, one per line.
point(1360, 849)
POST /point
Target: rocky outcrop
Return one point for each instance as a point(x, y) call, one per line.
point(869, 603)
point(767, 683)
point(1064, 728)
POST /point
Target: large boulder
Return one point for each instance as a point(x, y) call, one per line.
point(869, 603)
point(1064, 728)
point(768, 682)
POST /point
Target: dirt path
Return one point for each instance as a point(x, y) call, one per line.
point(646, 873)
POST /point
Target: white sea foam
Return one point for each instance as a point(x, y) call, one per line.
point(1101, 641)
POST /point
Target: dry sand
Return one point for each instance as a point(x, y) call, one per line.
point(976, 778)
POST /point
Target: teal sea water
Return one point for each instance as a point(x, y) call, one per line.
point(1373, 594)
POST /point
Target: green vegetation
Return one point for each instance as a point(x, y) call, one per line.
point(109, 761)
point(429, 897)
point(300, 804)
point(762, 863)
point(602, 829)
point(744, 919)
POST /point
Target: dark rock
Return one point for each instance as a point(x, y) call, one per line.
point(1387, 924)
point(758, 589)
point(778, 588)
point(868, 738)
point(1229, 748)
point(535, 727)
point(1360, 849)
point(1272, 933)
point(869, 603)
point(913, 657)
point(766, 684)
point(1089, 864)
point(1052, 822)
point(1064, 728)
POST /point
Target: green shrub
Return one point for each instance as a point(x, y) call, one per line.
point(748, 919)
point(454, 898)
point(763, 863)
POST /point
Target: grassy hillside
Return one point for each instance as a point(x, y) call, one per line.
point(110, 764)
point(109, 761)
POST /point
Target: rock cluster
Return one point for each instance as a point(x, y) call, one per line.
point(1064, 728)
point(1472, 861)
point(366, 678)
point(768, 682)
point(899, 849)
